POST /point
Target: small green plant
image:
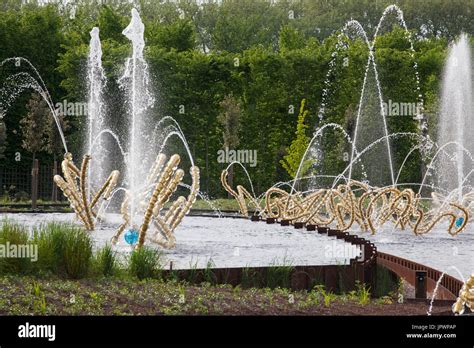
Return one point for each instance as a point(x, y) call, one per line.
point(326, 296)
point(362, 293)
point(145, 263)
point(384, 300)
point(192, 273)
point(182, 294)
point(39, 299)
point(352, 295)
point(209, 276)
point(313, 298)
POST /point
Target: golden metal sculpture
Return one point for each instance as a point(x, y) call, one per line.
point(466, 297)
point(354, 202)
point(74, 187)
point(162, 181)
point(241, 195)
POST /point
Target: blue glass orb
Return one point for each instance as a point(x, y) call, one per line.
point(459, 222)
point(131, 236)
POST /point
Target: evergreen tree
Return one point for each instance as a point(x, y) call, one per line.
point(292, 160)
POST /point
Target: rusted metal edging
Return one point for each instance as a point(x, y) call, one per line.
point(449, 286)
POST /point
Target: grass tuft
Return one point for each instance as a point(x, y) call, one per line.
point(105, 261)
point(145, 263)
point(63, 249)
point(15, 235)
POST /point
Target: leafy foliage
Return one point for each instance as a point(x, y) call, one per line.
point(35, 124)
point(291, 162)
point(267, 55)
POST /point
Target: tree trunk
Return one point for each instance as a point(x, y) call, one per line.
point(54, 195)
point(231, 180)
point(207, 165)
point(34, 182)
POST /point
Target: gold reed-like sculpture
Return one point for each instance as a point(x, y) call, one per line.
point(354, 202)
point(162, 181)
point(74, 187)
point(241, 195)
point(466, 297)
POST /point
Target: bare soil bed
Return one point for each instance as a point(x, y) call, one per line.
point(117, 296)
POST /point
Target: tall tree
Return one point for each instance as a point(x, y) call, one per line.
point(230, 122)
point(34, 125)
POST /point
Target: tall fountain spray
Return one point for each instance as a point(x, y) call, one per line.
point(370, 119)
point(135, 81)
point(456, 120)
point(29, 78)
point(96, 81)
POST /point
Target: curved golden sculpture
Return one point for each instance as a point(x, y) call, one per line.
point(241, 195)
point(162, 181)
point(74, 187)
point(466, 297)
point(354, 202)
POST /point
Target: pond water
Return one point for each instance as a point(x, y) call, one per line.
point(231, 242)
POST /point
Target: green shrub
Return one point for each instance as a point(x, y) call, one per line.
point(105, 261)
point(145, 263)
point(64, 249)
point(77, 252)
point(13, 234)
